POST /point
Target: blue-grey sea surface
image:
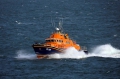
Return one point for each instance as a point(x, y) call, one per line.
point(91, 23)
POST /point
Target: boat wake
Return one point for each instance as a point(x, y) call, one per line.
point(106, 51)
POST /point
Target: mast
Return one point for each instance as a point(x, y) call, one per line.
point(60, 24)
point(60, 28)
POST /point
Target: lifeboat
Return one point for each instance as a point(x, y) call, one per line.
point(56, 43)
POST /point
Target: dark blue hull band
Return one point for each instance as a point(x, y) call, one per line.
point(45, 50)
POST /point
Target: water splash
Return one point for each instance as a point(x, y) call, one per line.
point(22, 54)
point(100, 51)
point(69, 53)
point(106, 51)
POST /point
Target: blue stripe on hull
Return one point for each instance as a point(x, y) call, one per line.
point(44, 50)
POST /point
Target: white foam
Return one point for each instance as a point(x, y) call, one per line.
point(22, 54)
point(69, 53)
point(106, 51)
point(100, 51)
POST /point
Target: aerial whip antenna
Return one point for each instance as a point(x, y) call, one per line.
point(53, 23)
point(60, 24)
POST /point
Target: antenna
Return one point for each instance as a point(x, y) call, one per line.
point(59, 28)
point(60, 24)
point(53, 23)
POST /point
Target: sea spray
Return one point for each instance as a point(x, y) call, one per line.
point(69, 53)
point(23, 54)
point(106, 50)
point(99, 51)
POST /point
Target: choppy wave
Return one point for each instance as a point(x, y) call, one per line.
point(106, 51)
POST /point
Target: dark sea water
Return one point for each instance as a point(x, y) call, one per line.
point(91, 23)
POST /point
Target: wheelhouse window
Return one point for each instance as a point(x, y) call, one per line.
point(54, 40)
point(47, 40)
point(67, 42)
point(60, 41)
